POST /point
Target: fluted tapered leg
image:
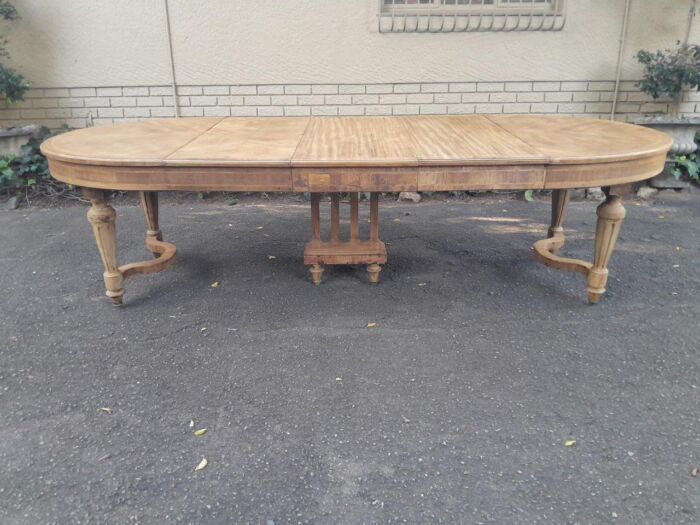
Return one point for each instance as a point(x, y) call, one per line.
point(102, 218)
point(149, 203)
point(610, 215)
point(560, 198)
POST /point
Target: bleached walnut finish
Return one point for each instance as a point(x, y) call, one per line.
point(351, 154)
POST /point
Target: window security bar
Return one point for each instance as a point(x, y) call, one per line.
point(459, 16)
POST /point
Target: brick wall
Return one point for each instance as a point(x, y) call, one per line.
point(81, 107)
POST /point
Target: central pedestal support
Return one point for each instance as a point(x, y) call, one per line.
point(352, 251)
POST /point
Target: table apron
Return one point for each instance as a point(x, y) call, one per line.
point(356, 179)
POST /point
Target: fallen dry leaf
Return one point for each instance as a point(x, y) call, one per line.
point(397, 220)
point(371, 325)
point(106, 410)
point(569, 443)
point(694, 472)
point(661, 217)
point(215, 284)
point(202, 464)
point(200, 432)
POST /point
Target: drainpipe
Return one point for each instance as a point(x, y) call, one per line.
point(691, 16)
point(176, 104)
point(620, 54)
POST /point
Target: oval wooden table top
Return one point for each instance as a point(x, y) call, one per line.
point(411, 153)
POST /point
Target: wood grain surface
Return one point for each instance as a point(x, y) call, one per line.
point(330, 154)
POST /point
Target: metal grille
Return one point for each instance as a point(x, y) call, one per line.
point(455, 16)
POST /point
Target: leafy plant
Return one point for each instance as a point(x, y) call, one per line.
point(29, 169)
point(13, 85)
point(667, 73)
point(687, 165)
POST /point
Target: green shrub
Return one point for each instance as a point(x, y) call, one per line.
point(28, 170)
point(687, 166)
point(667, 73)
point(13, 86)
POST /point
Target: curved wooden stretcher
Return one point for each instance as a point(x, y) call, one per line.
point(356, 154)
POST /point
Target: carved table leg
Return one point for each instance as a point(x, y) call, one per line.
point(102, 218)
point(610, 215)
point(149, 203)
point(560, 198)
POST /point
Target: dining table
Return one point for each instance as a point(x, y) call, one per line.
point(347, 157)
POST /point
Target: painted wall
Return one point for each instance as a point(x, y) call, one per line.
point(123, 43)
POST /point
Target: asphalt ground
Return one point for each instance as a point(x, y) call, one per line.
point(456, 407)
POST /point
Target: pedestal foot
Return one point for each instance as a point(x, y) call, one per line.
point(373, 272)
point(316, 271)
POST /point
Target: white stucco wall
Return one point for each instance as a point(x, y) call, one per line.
point(123, 43)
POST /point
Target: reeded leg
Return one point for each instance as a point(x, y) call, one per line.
point(102, 218)
point(149, 203)
point(610, 215)
point(560, 198)
point(373, 272)
point(316, 273)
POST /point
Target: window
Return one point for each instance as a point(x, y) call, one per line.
point(444, 16)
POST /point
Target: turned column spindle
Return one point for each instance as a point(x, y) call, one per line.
point(316, 270)
point(315, 217)
point(374, 269)
point(335, 218)
point(374, 217)
point(354, 217)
